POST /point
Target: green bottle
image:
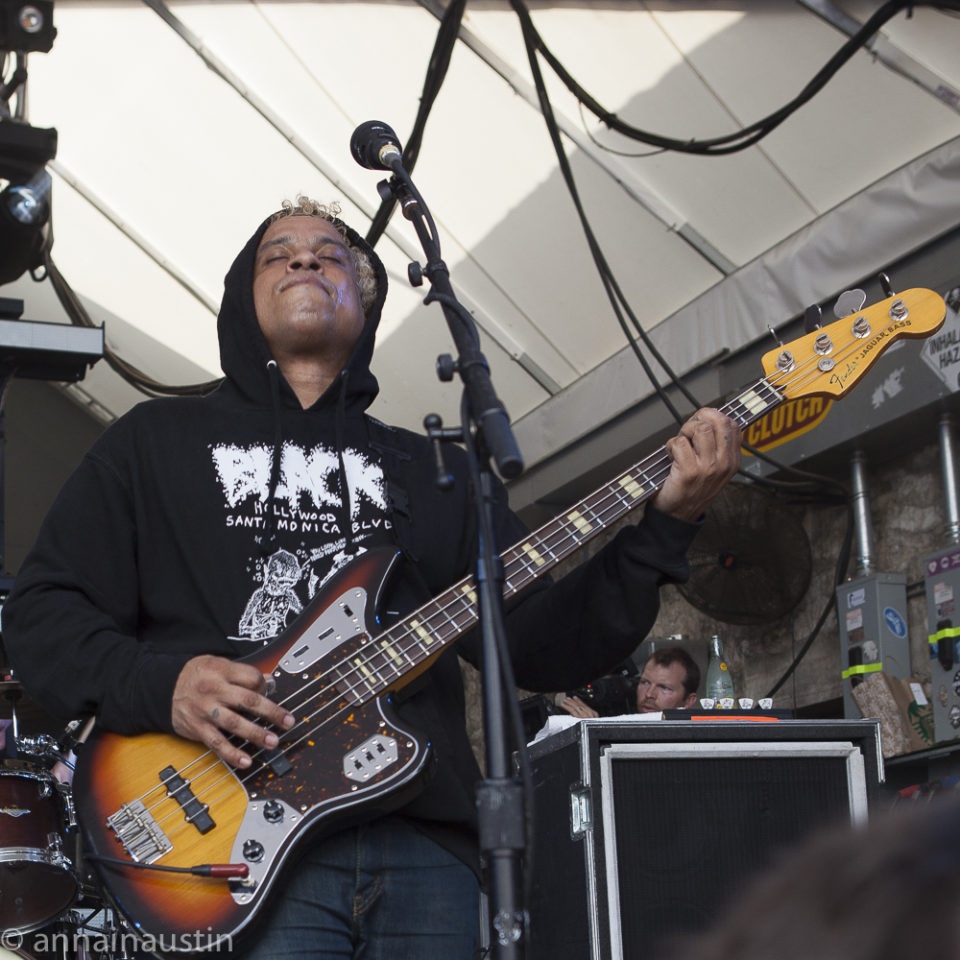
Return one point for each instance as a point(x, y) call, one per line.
point(719, 684)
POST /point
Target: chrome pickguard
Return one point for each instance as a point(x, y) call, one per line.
point(340, 621)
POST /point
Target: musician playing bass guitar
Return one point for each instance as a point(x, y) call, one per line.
point(198, 528)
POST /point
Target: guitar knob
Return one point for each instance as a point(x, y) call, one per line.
point(252, 851)
point(273, 811)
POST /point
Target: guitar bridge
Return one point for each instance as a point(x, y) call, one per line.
point(136, 829)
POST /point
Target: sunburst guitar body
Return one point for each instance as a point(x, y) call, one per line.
point(159, 799)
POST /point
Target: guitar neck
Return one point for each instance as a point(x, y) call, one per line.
point(424, 633)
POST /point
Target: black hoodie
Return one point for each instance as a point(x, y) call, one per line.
point(199, 525)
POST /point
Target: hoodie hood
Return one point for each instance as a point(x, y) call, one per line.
point(244, 353)
point(247, 362)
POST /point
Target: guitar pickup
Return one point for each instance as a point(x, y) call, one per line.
point(194, 811)
point(370, 758)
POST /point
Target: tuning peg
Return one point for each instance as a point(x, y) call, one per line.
point(886, 285)
point(812, 318)
point(848, 303)
point(773, 333)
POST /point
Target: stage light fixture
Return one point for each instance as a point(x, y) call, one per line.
point(25, 197)
point(27, 27)
point(24, 211)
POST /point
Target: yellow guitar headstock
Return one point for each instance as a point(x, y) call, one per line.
point(831, 360)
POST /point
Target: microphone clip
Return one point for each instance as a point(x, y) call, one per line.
point(395, 189)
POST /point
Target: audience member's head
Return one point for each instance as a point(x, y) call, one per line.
point(882, 892)
point(669, 681)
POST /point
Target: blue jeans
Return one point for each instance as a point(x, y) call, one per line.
point(380, 891)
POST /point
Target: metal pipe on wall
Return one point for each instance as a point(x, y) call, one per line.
point(861, 514)
point(948, 465)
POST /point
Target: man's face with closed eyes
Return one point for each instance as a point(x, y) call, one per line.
point(305, 290)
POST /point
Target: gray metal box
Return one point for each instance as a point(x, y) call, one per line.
point(942, 582)
point(872, 615)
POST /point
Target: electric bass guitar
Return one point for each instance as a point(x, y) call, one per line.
point(189, 849)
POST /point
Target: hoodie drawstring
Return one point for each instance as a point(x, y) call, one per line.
point(346, 521)
point(269, 542)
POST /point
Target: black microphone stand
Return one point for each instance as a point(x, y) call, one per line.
point(486, 432)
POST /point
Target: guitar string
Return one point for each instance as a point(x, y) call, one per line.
point(597, 510)
point(457, 598)
point(608, 491)
point(399, 634)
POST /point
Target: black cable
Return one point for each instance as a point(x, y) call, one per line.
point(610, 286)
point(79, 317)
point(840, 570)
point(433, 81)
point(609, 281)
point(212, 870)
point(463, 315)
point(409, 189)
point(9, 87)
point(749, 135)
point(606, 149)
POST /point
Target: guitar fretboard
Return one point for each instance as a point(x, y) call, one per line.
point(424, 633)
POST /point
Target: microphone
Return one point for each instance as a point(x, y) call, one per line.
point(375, 146)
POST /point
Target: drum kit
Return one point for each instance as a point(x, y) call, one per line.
point(50, 906)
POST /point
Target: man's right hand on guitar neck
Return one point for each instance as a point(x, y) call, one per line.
point(214, 699)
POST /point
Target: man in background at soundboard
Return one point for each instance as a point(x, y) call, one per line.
point(195, 529)
point(669, 681)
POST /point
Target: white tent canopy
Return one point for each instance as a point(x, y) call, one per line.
point(181, 124)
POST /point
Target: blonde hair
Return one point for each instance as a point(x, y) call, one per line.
point(306, 207)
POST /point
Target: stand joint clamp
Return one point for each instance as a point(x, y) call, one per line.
point(438, 434)
point(501, 818)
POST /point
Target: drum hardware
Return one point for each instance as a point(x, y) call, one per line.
point(11, 690)
point(69, 809)
point(87, 931)
point(42, 746)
